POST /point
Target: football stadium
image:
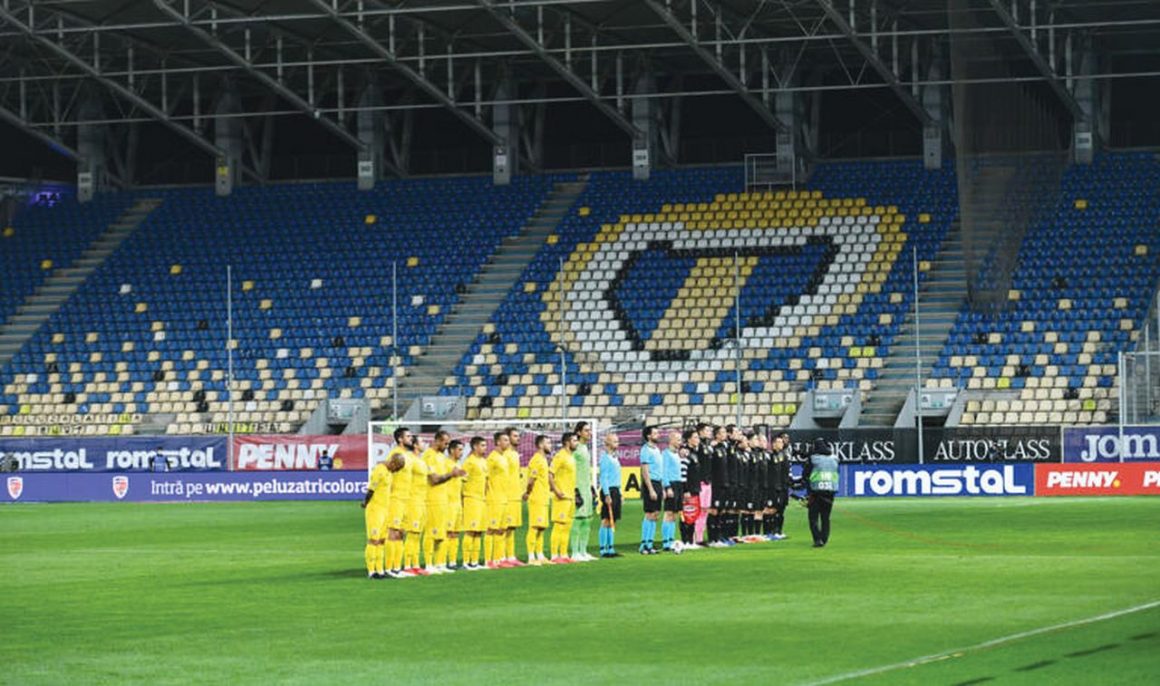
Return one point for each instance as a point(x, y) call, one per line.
point(580, 341)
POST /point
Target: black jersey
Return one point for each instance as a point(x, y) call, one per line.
point(690, 471)
point(704, 462)
point(779, 475)
point(761, 487)
point(732, 466)
point(718, 471)
point(744, 482)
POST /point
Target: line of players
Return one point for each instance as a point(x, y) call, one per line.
point(722, 484)
point(428, 502)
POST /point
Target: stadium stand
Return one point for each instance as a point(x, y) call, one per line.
point(1083, 284)
point(312, 269)
point(638, 281)
point(822, 294)
point(44, 238)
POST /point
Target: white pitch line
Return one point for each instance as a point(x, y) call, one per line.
point(984, 645)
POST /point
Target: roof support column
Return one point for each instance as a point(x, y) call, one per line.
point(505, 124)
point(372, 135)
point(92, 162)
point(646, 119)
point(228, 137)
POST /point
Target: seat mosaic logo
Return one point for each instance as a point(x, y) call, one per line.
point(965, 480)
point(657, 293)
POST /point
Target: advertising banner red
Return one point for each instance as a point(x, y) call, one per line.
point(1136, 478)
point(280, 452)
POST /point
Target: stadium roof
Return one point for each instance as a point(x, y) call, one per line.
point(167, 61)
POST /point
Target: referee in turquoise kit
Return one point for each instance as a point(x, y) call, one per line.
point(609, 495)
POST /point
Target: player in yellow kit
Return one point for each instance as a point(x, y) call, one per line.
point(498, 484)
point(562, 481)
point(474, 494)
point(454, 507)
point(416, 515)
point(399, 487)
point(514, 513)
point(537, 494)
point(440, 473)
point(375, 503)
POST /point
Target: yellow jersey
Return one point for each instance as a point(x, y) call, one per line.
point(538, 473)
point(380, 483)
point(419, 485)
point(475, 483)
point(400, 481)
point(564, 472)
point(497, 477)
point(515, 483)
point(454, 490)
point(437, 464)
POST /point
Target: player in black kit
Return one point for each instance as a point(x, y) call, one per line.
point(779, 481)
point(719, 480)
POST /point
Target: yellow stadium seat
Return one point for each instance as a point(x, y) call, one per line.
point(175, 270)
point(370, 219)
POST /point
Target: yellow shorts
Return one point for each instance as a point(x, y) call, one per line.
point(416, 517)
point(562, 510)
point(397, 515)
point(538, 514)
point(376, 518)
point(513, 514)
point(472, 518)
point(436, 522)
point(495, 514)
point(455, 518)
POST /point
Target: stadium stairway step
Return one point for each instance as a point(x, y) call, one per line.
point(940, 297)
point(65, 281)
point(475, 307)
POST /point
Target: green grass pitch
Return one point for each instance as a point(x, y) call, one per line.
point(275, 593)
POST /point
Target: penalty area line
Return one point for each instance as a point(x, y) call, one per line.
point(958, 652)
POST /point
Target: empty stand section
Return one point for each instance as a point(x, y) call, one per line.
point(143, 344)
point(1085, 275)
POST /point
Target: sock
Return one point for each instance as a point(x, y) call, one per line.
point(395, 554)
point(488, 548)
point(584, 531)
point(554, 542)
point(699, 529)
point(605, 543)
point(451, 551)
point(668, 533)
point(510, 544)
point(373, 559)
point(540, 543)
point(530, 542)
point(711, 525)
point(439, 557)
point(471, 550)
point(411, 551)
point(429, 550)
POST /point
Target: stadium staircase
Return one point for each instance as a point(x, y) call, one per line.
point(55, 291)
point(941, 296)
point(476, 306)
